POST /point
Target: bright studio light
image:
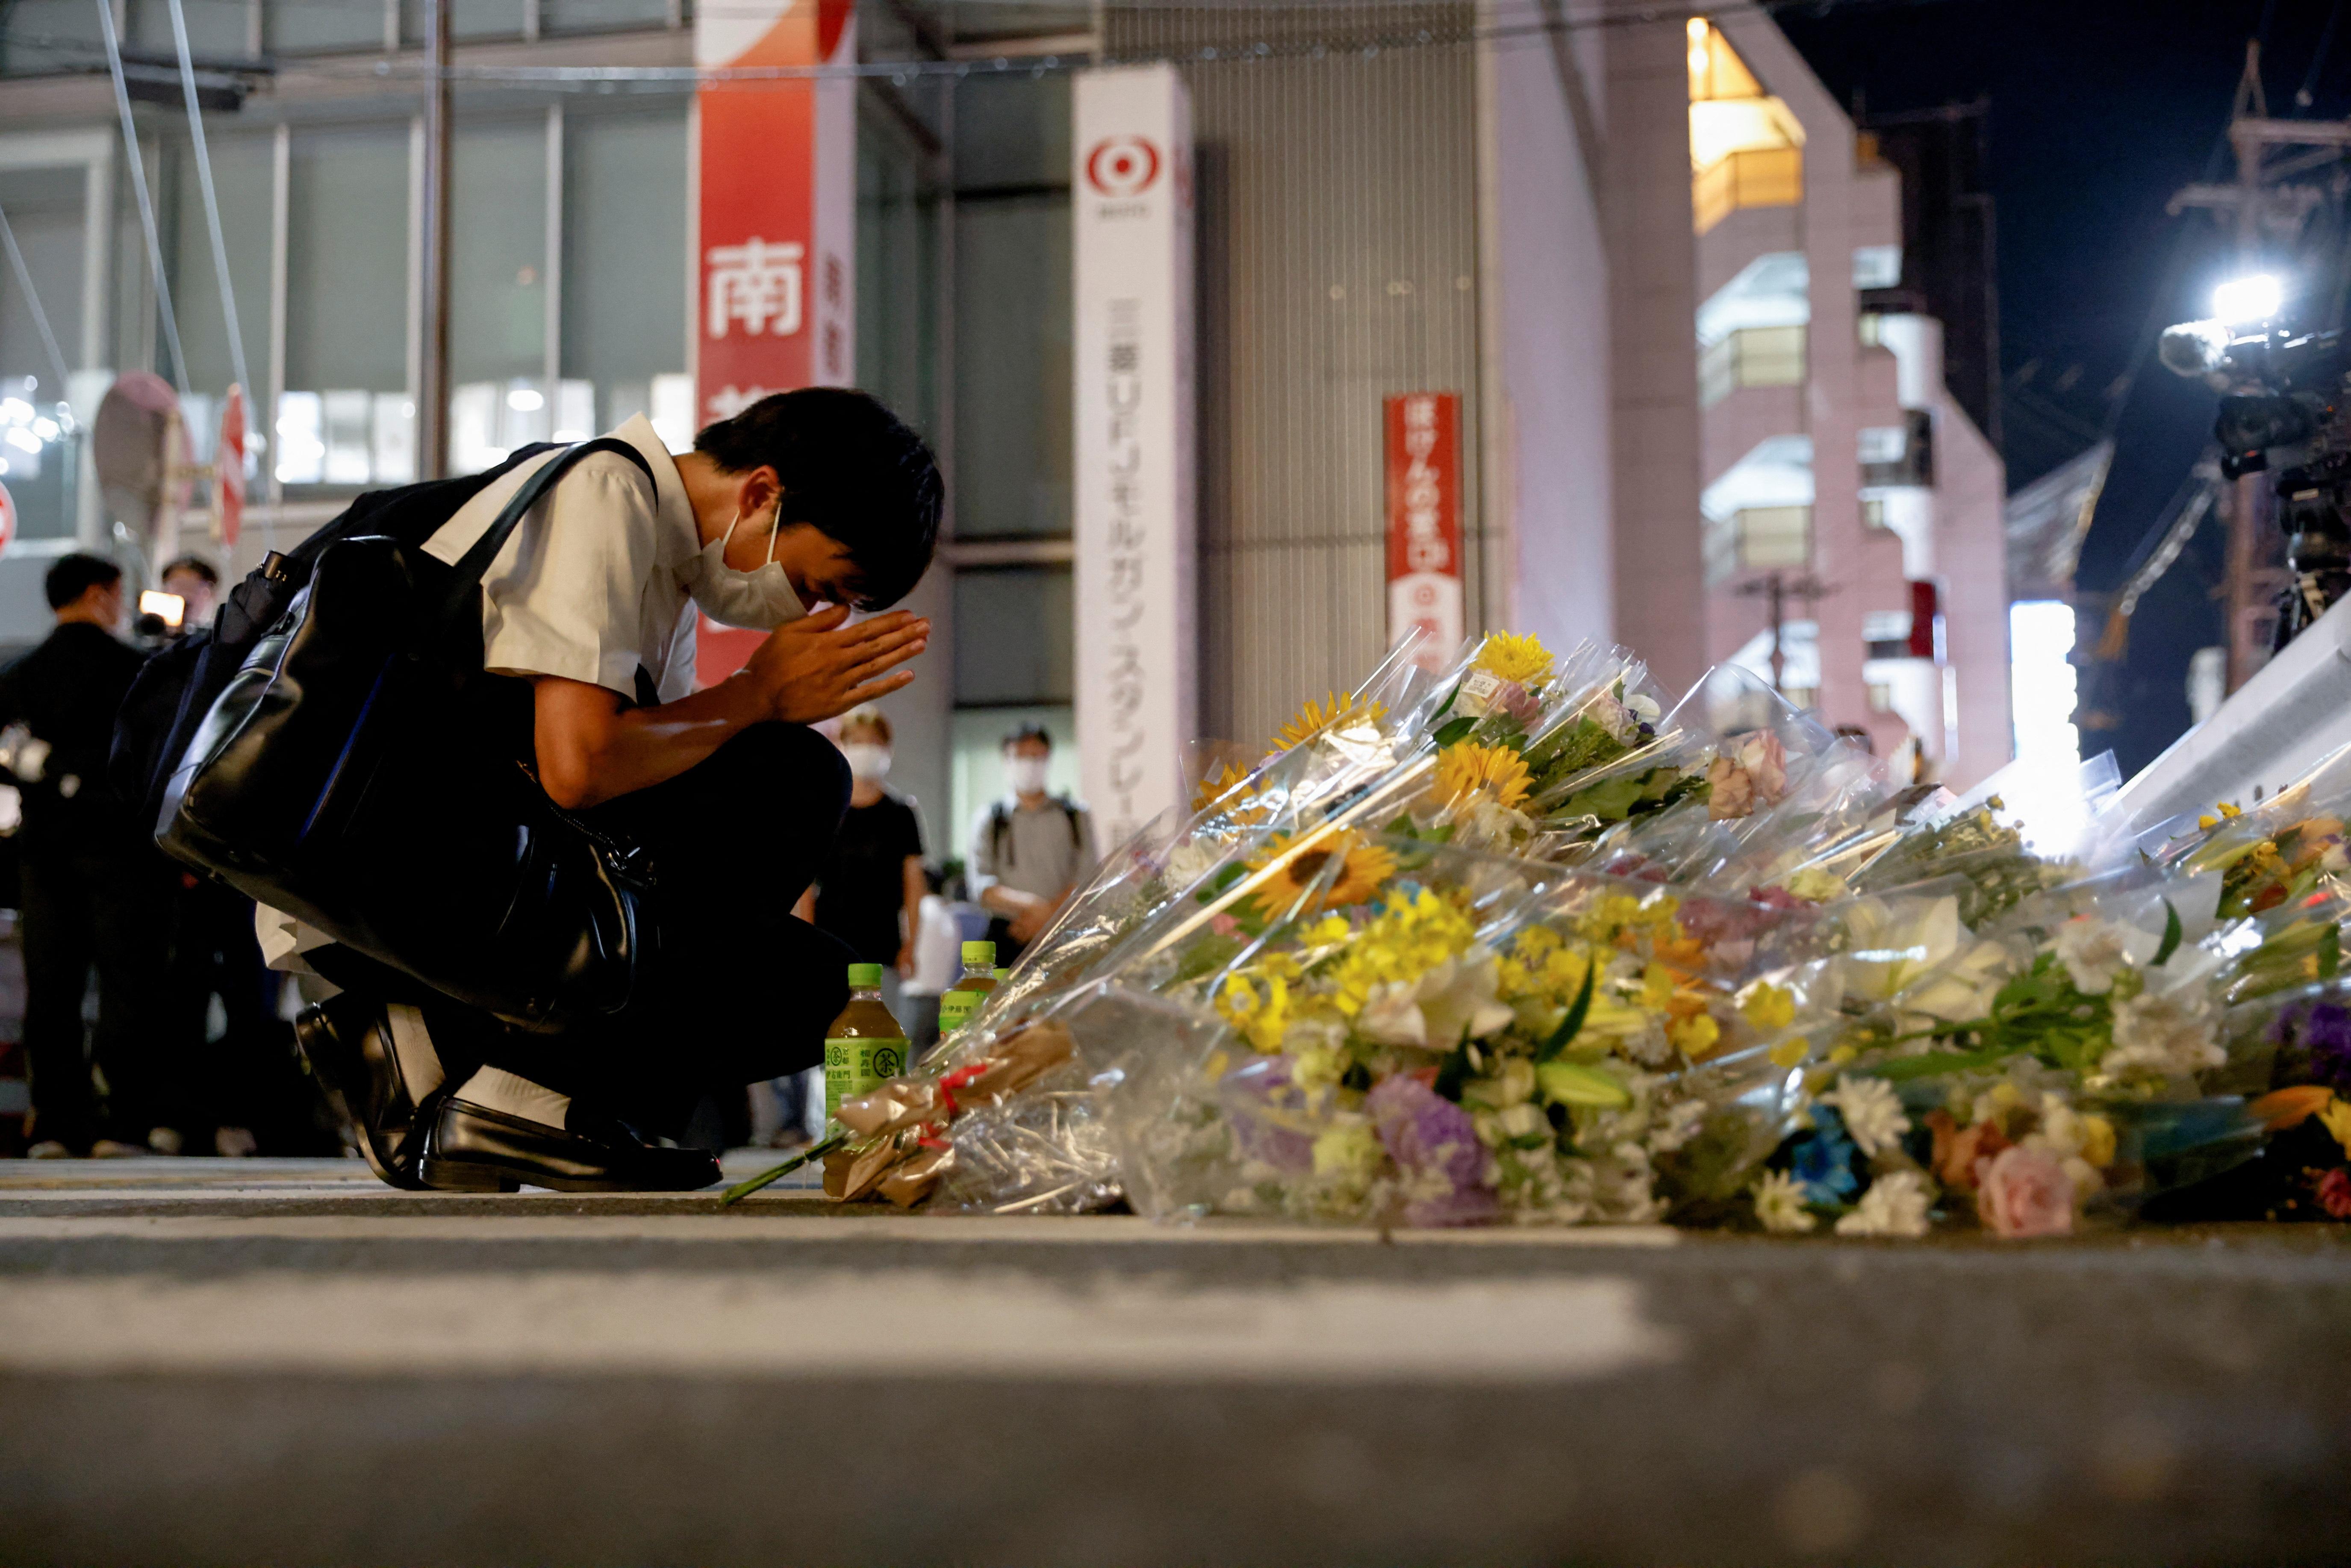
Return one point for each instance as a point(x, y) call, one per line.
point(2254, 299)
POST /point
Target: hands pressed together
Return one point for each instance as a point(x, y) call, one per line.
point(820, 666)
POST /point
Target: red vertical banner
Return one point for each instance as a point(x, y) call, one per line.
point(1424, 497)
point(228, 469)
point(776, 193)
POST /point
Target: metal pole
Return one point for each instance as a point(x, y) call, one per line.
point(2247, 515)
point(433, 388)
point(1779, 621)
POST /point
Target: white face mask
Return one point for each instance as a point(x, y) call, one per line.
point(759, 601)
point(868, 763)
point(1027, 774)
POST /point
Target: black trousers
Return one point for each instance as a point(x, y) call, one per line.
point(736, 988)
point(107, 912)
point(252, 1076)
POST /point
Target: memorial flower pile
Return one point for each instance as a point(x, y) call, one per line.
point(1522, 945)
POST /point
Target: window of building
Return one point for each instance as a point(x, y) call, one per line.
point(1746, 146)
point(1012, 310)
point(499, 396)
point(1876, 266)
point(624, 288)
point(1754, 357)
point(600, 15)
point(347, 416)
point(1774, 538)
point(1013, 636)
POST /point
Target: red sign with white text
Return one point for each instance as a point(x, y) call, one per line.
point(1423, 495)
point(776, 193)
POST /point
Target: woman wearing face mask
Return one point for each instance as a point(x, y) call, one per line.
point(782, 519)
point(869, 892)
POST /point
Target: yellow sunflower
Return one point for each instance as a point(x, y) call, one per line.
point(1314, 718)
point(1521, 659)
point(1213, 789)
point(1296, 863)
point(1466, 770)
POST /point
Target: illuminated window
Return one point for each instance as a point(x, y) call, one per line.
point(1754, 357)
point(1775, 536)
point(1746, 147)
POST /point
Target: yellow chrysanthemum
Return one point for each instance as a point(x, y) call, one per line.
point(1295, 864)
point(1521, 659)
point(1790, 1053)
point(1405, 940)
point(1467, 770)
point(1696, 1035)
point(1230, 787)
point(2218, 815)
point(1315, 717)
point(1767, 1007)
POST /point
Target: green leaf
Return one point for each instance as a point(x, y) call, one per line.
point(1446, 707)
point(1902, 1069)
point(2330, 952)
point(2171, 934)
point(1570, 1084)
point(1572, 1024)
point(1454, 731)
point(1454, 1071)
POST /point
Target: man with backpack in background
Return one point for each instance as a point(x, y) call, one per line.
point(1029, 851)
point(95, 892)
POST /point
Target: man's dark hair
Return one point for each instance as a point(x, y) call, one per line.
point(194, 563)
point(1028, 732)
point(850, 469)
point(76, 574)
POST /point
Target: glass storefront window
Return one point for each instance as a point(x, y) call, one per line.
point(624, 256)
point(1013, 635)
point(497, 311)
point(311, 27)
point(600, 15)
point(38, 439)
point(346, 266)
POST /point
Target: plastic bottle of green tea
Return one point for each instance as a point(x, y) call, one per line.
point(962, 1000)
point(865, 1046)
point(999, 975)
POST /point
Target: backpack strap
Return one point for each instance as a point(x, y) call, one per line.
point(475, 562)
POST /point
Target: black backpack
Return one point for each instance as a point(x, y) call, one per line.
point(172, 693)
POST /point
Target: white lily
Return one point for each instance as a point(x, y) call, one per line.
point(1893, 948)
point(1454, 999)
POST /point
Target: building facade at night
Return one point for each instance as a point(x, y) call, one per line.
point(1656, 270)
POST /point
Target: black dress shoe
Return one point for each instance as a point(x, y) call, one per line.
point(348, 1038)
point(472, 1148)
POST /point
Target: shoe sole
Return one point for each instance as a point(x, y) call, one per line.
point(468, 1176)
point(461, 1176)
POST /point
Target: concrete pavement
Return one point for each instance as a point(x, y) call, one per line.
point(240, 1362)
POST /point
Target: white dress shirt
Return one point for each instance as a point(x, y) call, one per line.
point(586, 588)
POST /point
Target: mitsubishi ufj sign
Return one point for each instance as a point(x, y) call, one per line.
point(776, 210)
point(1132, 262)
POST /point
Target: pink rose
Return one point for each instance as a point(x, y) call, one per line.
point(2024, 1192)
point(1730, 790)
point(1766, 761)
point(2334, 1193)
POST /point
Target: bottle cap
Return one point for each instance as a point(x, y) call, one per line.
point(981, 952)
point(864, 976)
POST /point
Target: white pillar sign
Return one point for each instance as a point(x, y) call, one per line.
point(1132, 260)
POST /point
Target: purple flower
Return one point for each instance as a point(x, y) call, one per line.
point(2327, 1034)
point(1428, 1135)
point(1263, 1108)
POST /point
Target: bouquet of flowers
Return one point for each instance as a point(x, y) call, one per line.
point(1520, 944)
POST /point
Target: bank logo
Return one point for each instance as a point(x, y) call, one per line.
point(1122, 165)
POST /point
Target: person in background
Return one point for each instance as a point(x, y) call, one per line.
point(96, 892)
point(197, 583)
point(1029, 851)
point(869, 892)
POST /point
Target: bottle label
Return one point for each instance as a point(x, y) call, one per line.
point(854, 1066)
point(956, 1008)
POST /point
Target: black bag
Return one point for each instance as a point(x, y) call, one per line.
point(357, 773)
point(175, 688)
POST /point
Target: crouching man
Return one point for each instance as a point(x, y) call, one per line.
point(809, 498)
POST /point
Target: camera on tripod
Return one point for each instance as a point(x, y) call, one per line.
point(2283, 408)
